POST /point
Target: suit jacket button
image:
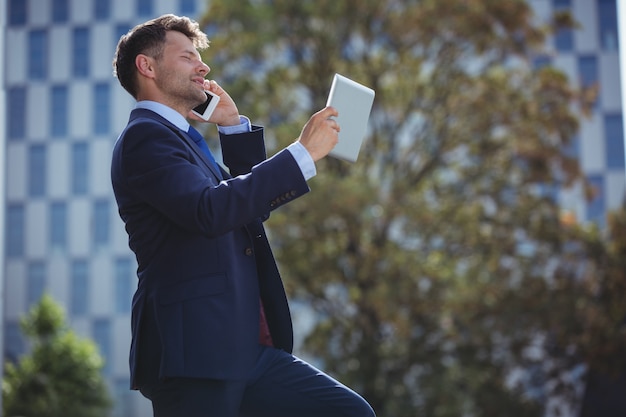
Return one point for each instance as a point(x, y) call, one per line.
point(249, 252)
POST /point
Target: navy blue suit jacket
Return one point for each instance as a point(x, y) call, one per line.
point(203, 257)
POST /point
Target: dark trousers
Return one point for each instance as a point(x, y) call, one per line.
point(280, 385)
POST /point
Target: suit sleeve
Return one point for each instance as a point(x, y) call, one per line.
point(160, 169)
point(242, 151)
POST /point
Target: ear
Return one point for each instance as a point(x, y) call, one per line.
point(145, 65)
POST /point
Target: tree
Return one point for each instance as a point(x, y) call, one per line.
point(596, 271)
point(61, 376)
point(430, 261)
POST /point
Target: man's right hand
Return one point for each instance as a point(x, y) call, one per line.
point(320, 134)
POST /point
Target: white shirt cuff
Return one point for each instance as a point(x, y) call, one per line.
point(303, 159)
point(243, 127)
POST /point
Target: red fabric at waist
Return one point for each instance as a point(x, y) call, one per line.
point(265, 337)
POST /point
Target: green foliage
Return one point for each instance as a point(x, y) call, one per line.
point(595, 272)
point(435, 262)
point(61, 376)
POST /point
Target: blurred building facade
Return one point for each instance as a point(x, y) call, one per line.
point(64, 110)
point(589, 56)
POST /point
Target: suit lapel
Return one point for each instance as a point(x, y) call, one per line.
point(183, 135)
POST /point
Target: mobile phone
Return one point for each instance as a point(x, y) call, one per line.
point(205, 109)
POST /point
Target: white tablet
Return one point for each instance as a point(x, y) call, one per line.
point(354, 102)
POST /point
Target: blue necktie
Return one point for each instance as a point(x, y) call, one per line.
point(199, 140)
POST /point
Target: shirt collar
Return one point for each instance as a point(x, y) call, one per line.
point(166, 112)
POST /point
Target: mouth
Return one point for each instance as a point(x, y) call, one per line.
point(199, 81)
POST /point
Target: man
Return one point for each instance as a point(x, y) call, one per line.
point(211, 327)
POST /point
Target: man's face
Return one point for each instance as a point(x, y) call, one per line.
point(180, 71)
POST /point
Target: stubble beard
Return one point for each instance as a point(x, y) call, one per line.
point(181, 91)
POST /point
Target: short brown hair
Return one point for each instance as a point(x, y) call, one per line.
point(149, 38)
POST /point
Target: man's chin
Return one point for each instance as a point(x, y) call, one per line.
point(202, 98)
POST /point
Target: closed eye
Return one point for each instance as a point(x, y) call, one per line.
point(191, 55)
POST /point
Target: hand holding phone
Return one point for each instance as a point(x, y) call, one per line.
point(205, 110)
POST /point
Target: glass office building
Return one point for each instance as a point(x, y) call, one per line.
point(589, 56)
point(63, 112)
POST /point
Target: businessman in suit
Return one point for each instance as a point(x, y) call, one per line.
point(211, 328)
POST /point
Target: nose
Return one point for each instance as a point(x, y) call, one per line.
point(204, 68)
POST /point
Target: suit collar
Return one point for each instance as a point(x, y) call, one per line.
point(145, 113)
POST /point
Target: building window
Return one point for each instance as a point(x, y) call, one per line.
point(101, 109)
point(572, 148)
point(101, 223)
point(588, 70)
point(123, 285)
point(35, 282)
point(596, 207)
point(80, 169)
point(188, 7)
point(614, 141)
point(58, 111)
point(38, 54)
point(18, 10)
point(37, 171)
point(564, 37)
point(79, 290)
point(122, 398)
point(564, 40)
point(607, 22)
point(102, 336)
point(80, 52)
point(102, 9)
point(144, 8)
point(120, 30)
point(541, 61)
point(60, 11)
point(16, 112)
point(13, 341)
point(15, 231)
point(58, 225)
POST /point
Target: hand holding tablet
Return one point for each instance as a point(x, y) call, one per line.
point(354, 102)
